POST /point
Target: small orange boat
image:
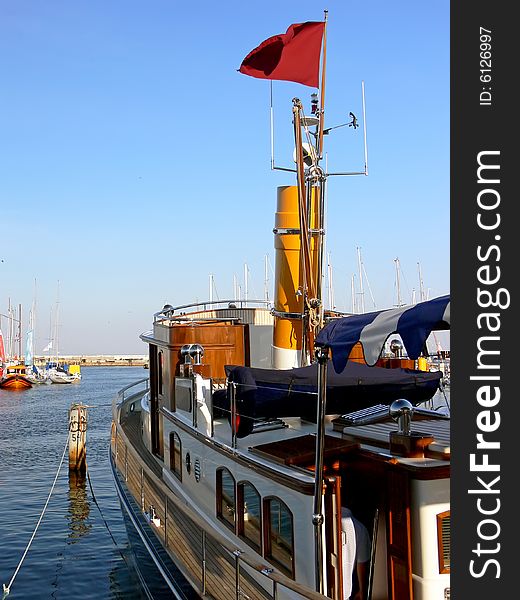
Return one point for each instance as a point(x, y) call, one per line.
point(14, 378)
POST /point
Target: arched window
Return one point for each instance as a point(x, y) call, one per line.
point(226, 500)
point(249, 515)
point(176, 455)
point(279, 535)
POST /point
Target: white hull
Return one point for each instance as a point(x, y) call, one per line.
point(58, 377)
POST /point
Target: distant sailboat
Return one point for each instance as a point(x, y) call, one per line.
point(32, 372)
point(13, 372)
point(58, 372)
point(2, 354)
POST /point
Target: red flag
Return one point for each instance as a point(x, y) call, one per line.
point(290, 56)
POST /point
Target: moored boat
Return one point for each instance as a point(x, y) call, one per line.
point(2, 355)
point(15, 378)
point(267, 455)
point(62, 372)
point(60, 377)
point(34, 374)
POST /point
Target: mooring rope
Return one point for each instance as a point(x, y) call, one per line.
point(104, 520)
point(7, 588)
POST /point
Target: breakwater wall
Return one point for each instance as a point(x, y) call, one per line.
point(99, 360)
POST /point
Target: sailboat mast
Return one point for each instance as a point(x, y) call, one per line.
point(10, 330)
point(330, 282)
point(361, 292)
point(19, 331)
point(56, 323)
point(397, 282)
point(421, 284)
point(266, 278)
point(235, 288)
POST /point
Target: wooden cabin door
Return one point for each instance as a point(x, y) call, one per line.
point(333, 537)
point(399, 536)
point(154, 400)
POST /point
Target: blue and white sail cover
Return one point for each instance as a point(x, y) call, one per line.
point(413, 323)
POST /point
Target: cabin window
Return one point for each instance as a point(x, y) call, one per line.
point(279, 537)
point(226, 503)
point(444, 541)
point(249, 517)
point(176, 455)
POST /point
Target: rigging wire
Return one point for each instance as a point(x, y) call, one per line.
point(7, 588)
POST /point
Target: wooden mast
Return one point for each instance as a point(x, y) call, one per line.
point(310, 188)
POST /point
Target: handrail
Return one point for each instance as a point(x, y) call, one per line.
point(120, 398)
point(168, 312)
point(121, 392)
point(275, 576)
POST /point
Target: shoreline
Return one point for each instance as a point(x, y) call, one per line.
point(98, 360)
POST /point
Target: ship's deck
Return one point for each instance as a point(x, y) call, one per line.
point(288, 444)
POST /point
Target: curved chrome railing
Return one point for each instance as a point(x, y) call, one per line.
point(175, 312)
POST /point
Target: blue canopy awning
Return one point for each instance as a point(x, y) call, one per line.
point(413, 323)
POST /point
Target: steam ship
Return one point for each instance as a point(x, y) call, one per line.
point(265, 438)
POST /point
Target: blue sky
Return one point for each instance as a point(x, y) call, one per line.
point(135, 159)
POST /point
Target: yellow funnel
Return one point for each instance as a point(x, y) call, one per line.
point(287, 336)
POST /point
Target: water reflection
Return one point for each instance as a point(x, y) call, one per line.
point(73, 555)
point(79, 507)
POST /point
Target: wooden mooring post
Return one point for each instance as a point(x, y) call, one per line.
point(78, 437)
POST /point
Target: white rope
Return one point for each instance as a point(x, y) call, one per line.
point(7, 588)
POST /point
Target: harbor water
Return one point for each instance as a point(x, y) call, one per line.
point(80, 549)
